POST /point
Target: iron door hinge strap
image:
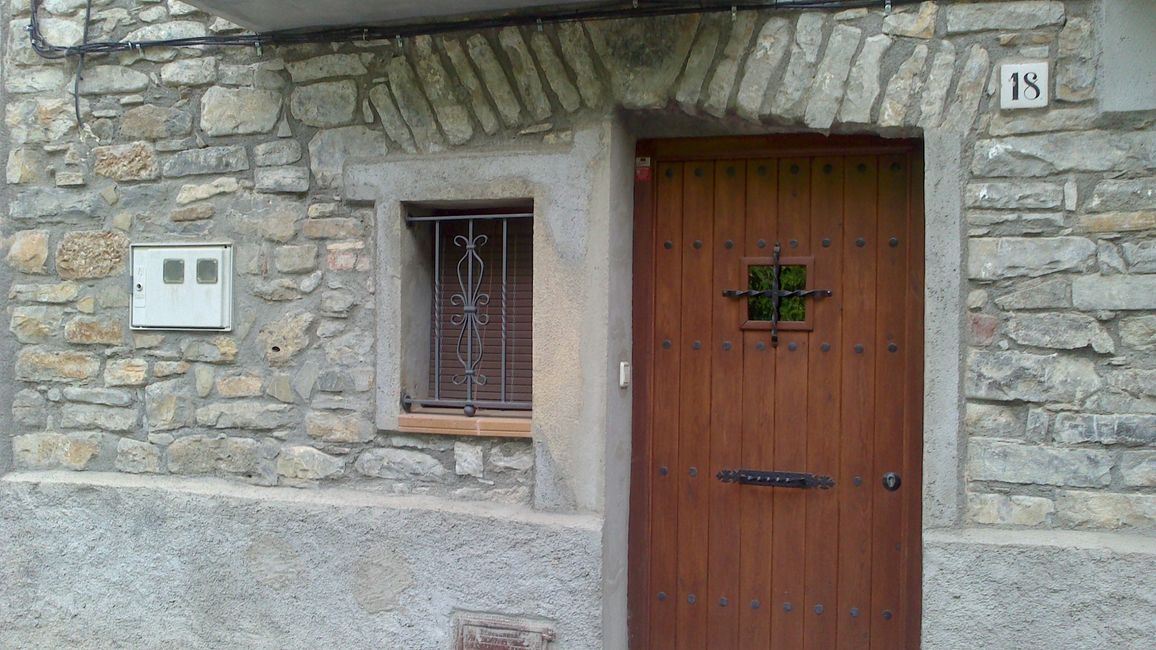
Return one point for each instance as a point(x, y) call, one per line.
point(776, 479)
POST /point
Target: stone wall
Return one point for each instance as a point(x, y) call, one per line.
point(250, 146)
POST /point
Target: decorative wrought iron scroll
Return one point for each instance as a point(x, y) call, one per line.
point(471, 317)
point(776, 294)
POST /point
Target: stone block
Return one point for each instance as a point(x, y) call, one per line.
point(1107, 429)
point(863, 84)
point(1056, 119)
point(326, 104)
point(993, 421)
point(337, 303)
point(36, 324)
point(1018, 376)
point(126, 372)
point(1057, 153)
point(721, 85)
point(209, 160)
point(1139, 333)
point(1114, 292)
point(239, 111)
point(763, 62)
point(219, 349)
point(332, 427)
point(1075, 71)
point(400, 464)
point(248, 414)
point(1014, 196)
point(1085, 509)
point(151, 122)
point(1128, 194)
point(168, 406)
point(331, 149)
point(905, 83)
point(643, 56)
point(325, 67)
point(102, 396)
point(831, 77)
point(192, 193)
point(512, 456)
point(136, 457)
point(789, 100)
point(1138, 468)
point(1003, 16)
point(38, 364)
point(192, 213)
point(54, 294)
point(281, 180)
point(286, 337)
point(1012, 462)
point(1062, 331)
point(307, 463)
point(93, 416)
point(1010, 257)
point(469, 459)
point(28, 252)
point(112, 80)
point(1045, 294)
point(452, 116)
point(29, 408)
point(239, 386)
point(189, 72)
point(576, 51)
point(296, 259)
point(912, 24)
point(1141, 256)
point(276, 153)
point(702, 55)
point(56, 450)
point(1115, 222)
point(339, 228)
point(94, 330)
point(136, 161)
point(200, 454)
point(413, 106)
point(1005, 510)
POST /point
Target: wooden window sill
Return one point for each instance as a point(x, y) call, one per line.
point(460, 425)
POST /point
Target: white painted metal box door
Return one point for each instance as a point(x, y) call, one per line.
point(182, 286)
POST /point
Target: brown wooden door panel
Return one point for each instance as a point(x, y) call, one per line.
point(722, 565)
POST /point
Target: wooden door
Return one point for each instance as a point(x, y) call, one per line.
point(831, 387)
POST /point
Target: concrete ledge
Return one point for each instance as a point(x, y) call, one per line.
point(107, 560)
point(1014, 589)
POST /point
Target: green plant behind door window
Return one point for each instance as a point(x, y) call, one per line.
point(791, 278)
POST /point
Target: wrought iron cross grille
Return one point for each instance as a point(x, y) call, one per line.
point(776, 294)
point(482, 304)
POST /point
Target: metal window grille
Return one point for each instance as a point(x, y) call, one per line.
point(482, 312)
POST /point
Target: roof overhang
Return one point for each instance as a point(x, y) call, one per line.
point(279, 15)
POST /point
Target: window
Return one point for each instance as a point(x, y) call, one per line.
point(481, 308)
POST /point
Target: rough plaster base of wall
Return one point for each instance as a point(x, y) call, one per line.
point(121, 561)
point(1016, 589)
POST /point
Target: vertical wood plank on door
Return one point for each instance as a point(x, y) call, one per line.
point(888, 624)
point(758, 423)
point(913, 404)
point(790, 437)
point(857, 298)
point(695, 404)
point(726, 349)
point(664, 490)
point(823, 388)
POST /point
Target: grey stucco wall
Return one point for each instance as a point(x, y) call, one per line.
point(121, 561)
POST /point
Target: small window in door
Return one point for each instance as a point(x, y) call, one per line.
point(791, 278)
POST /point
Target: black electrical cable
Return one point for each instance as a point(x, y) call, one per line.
point(79, 61)
point(609, 10)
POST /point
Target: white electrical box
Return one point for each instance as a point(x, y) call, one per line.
point(182, 287)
